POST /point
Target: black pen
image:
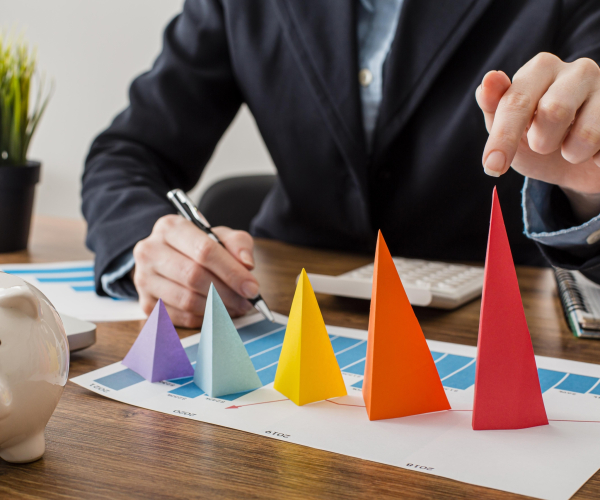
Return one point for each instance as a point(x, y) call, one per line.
point(187, 209)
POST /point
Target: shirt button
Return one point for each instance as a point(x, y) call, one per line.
point(365, 77)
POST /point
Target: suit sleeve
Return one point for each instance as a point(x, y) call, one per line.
point(547, 214)
point(178, 111)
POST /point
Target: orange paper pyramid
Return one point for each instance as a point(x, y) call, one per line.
point(507, 387)
point(400, 376)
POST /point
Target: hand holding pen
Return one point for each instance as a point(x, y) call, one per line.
point(178, 262)
point(187, 209)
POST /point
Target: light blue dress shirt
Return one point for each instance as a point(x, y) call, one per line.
point(377, 21)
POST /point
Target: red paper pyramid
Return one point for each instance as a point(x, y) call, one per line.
point(507, 387)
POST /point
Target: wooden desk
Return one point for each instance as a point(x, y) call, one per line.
point(99, 448)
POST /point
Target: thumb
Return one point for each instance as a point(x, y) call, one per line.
point(493, 86)
point(239, 244)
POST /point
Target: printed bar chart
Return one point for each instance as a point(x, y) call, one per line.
point(87, 269)
point(61, 275)
point(263, 341)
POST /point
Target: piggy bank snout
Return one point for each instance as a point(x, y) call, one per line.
point(6, 398)
point(20, 299)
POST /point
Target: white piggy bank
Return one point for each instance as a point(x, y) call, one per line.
point(34, 366)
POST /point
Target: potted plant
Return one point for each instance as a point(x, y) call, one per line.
point(18, 121)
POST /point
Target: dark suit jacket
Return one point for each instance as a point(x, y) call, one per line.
point(294, 63)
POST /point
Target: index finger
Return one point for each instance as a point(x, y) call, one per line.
point(186, 238)
point(514, 113)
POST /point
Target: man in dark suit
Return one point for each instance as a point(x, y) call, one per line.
point(371, 111)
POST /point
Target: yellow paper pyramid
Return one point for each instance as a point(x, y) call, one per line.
point(308, 370)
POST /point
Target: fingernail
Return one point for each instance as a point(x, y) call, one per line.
point(494, 165)
point(246, 258)
point(249, 289)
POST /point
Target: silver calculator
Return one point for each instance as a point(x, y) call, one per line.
point(427, 284)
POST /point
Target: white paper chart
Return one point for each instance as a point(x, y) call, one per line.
point(70, 287)
point(550, 462)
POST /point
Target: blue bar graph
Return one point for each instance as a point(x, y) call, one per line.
point(595, 390)
point(356, 368)
point(70, 279)
point(252, 331)
point(263, 341)
point(56, 276)
point(343, 343)
point(577, 383)
point(451, 363)
point(181, 381)
point(267, 375)
point(190, 390)
point(262, 344)
point(549, 378)
point(357, 352)
point(462, 379)
point(120, 380)
point(52, 271)
point(267, 358)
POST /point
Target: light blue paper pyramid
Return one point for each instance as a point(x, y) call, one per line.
point(223, 366)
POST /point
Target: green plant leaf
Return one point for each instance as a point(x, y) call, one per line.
point(18, 121)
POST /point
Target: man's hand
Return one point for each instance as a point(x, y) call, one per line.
point(178, 262)
point(546, 125)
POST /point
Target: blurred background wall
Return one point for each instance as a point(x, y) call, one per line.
point(92, 49)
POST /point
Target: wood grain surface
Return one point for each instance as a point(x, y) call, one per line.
point(99, 448)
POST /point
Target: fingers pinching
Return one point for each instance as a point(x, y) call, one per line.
point(583, 139)
point(488, 94)
point(574, 86)
point(515, 111)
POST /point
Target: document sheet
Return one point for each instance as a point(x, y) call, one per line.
point(550, 462)
point(70, 287)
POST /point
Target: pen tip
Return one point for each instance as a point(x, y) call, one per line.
point(262, 307)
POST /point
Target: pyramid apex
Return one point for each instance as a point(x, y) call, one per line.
point(381, 239)
point(303, 280)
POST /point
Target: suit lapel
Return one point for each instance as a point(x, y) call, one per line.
point(429, 31)
point(322, 35)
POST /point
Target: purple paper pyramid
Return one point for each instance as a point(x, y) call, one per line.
point(157, 353)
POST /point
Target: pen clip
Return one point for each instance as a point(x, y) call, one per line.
point(191, 208)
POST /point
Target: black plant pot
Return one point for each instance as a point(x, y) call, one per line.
point(17, 189)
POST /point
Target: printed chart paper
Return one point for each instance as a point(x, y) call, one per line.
point(70, 287)
point(550, 462)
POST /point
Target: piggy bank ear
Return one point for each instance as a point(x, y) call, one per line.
point(20, 298)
